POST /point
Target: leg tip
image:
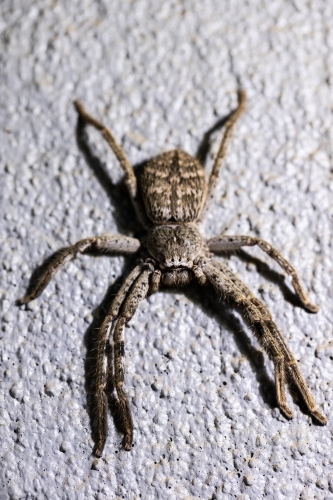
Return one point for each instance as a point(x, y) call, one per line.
point(23, 300)
point(311, 307)
point(98, 450)
point(127, 443)
point(242, 95)
point(319, 417)
point(287, 412)
point(78, 106)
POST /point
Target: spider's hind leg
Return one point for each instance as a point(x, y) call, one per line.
point(226, 139)
point(130, 178)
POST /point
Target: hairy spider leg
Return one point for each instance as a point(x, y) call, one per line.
point(228, 243)
point(108, 244)
point(226, 138)
point(225, 282)
point(103, 372)
point(138, 292)
point(130, 178)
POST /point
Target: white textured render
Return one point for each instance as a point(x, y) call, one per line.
point(161, 75)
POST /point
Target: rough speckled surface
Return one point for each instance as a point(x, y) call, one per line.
point(161, 74)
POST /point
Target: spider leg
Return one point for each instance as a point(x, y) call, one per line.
point(280, 384)
point(262, 324)
point(130, 178)
point(225, 282)
point(228, 243)
point(135, 296)
point(104, 377)
point(100, 384)
point(108, 244)
point(264, 333)
point(123, 290)
point(227, 136)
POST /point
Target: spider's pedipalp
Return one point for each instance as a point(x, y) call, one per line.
point(155, 281)
point(226, 243)
point(225, 282)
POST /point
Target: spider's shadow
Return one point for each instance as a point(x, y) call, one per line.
point(273, 276)
point(225, 315)
point(123, 213)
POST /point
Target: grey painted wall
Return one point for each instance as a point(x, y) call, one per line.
point(161, 74)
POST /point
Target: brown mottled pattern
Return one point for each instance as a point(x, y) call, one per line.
point(179, 180)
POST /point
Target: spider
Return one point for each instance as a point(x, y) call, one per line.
point(169, 198)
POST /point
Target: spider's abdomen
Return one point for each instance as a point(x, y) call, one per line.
point(173, 187)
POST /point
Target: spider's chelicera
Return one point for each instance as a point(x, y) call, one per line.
point(173, 191)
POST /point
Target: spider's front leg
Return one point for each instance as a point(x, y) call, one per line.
point(107, 244)
point(136, 295)
point(103, 373)
point(225, 243)
point(225, 282)
point(127, 300)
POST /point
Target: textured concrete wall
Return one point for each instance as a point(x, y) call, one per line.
point(161, 74)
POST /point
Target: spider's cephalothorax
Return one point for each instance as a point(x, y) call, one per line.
point(173, 193)
point(176, 249)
